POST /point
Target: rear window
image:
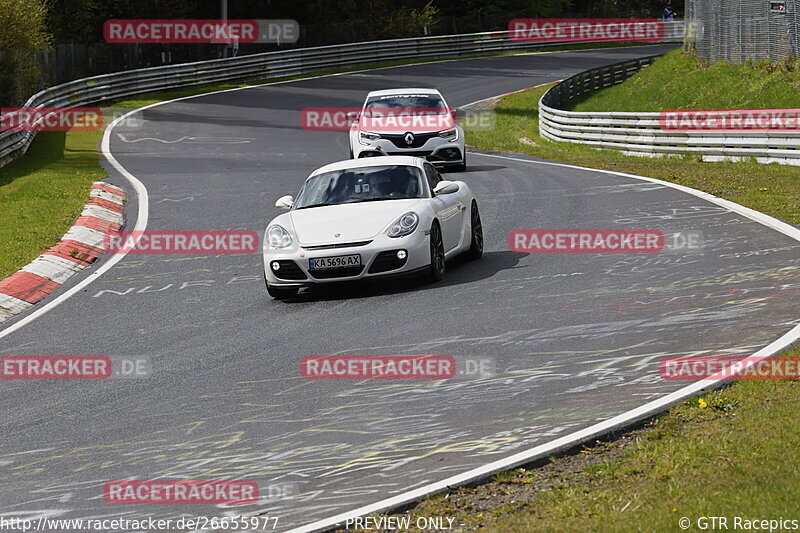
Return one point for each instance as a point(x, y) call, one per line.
point(428, 102)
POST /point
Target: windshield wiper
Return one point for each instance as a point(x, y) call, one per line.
point(317, 205)
point(376, 199)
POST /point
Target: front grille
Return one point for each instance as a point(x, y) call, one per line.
point(398, 139)
point(288, 270)
point(415, 153)
point(386, 261)
point(336, 245)
point(337, 272)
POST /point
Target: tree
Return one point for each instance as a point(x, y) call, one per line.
point(626, 8)
point(23, 24)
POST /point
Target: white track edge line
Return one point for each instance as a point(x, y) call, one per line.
point(624, 419)
point(757, 216)
point(544, 450)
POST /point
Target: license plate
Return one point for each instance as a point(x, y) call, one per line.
point(341, 261)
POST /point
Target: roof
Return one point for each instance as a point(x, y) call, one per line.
point(411, 90)
point(404, 160)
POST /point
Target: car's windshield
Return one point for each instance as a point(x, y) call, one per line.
point(366, 184)
point(426, 103)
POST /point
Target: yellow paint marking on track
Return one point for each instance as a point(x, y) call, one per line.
point(303, 384)
point(322, 430)
point(270, 380)
point(450, 341)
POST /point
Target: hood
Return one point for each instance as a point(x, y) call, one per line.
point(353, 222)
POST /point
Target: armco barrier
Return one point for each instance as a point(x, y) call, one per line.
point(269, 65)
point(641, 134)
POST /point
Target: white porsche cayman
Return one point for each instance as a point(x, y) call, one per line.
point(358, 219)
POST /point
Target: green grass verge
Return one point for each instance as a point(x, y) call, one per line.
point(772, 189)
point(680, 80)
point(43, 192)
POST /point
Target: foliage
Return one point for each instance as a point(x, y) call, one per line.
point(81, 21)
point(23, 33)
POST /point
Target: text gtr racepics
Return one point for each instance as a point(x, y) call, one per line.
point(367, 218)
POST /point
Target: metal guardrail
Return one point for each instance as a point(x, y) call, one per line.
point(641, 133)
point(268, 65)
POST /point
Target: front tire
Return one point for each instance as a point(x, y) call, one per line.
point(463, 166)
point(476, 243)
point(437, 267)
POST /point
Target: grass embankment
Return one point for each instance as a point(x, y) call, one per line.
point(42, 193)
point(729, 453)
point(679, 80)
point(772, 189)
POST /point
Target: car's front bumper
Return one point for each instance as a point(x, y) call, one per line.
point(378, 260)
point(437, 151)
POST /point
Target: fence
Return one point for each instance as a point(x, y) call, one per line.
point(742, 30)
point(641, 133)
point(66, 62)
point(269, 65)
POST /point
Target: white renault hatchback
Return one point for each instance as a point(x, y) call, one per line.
point(369, 218)
point(414, 122)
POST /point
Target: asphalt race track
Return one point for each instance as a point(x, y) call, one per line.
point(567, 339)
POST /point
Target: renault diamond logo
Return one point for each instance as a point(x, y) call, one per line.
point(409, 138)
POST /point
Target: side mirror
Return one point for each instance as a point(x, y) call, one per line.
point(446, 187)
point(352, 116)
point(285, 202)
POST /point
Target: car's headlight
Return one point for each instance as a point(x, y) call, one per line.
point(405, 225)
point(277, 237)
point(450, 135)
point(368, 136)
